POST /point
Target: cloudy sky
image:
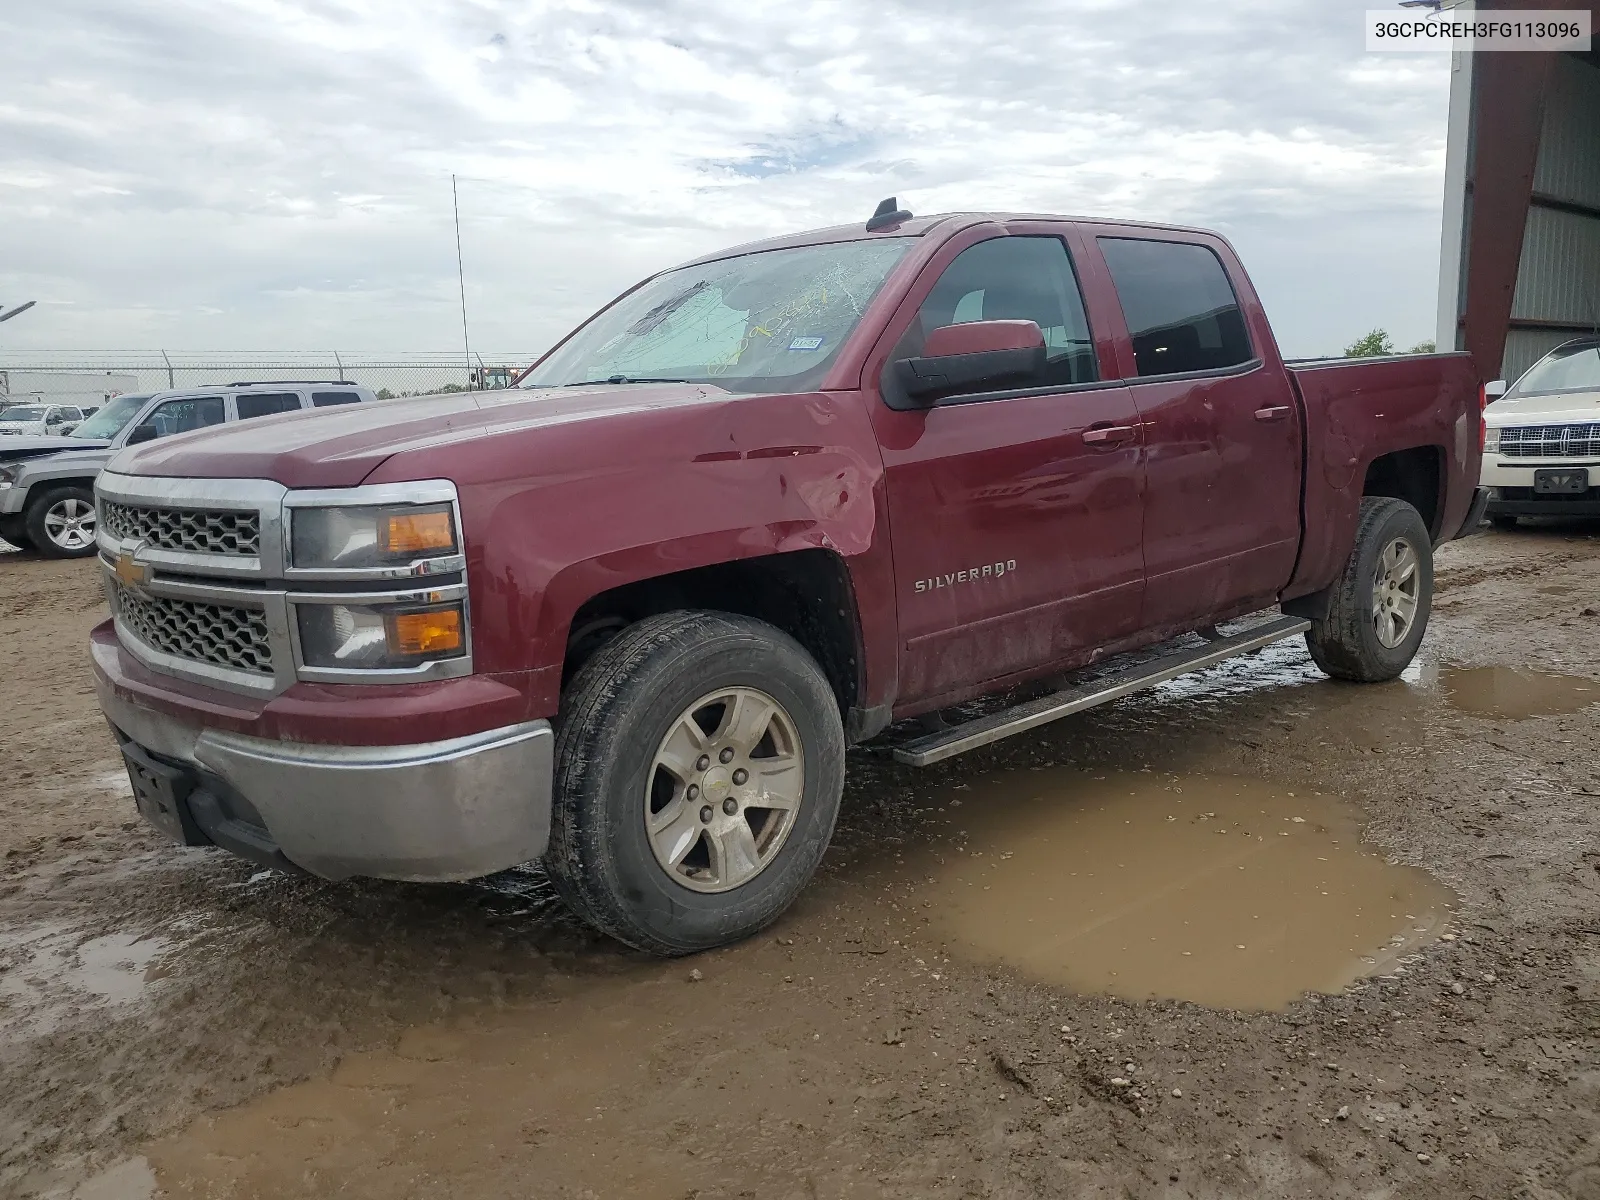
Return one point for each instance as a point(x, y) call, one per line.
point(275, 174)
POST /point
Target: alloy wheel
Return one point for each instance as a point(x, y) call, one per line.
point(70, 524)
point(724, 789)
point(1394, 592)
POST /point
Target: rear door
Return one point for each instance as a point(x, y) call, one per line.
point(1016, 540)
point(1222, 435)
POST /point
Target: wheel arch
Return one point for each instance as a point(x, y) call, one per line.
point(807, 593)
point(1415, 475)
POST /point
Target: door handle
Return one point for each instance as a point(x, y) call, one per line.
point(1276, 413)
point(1107, 437)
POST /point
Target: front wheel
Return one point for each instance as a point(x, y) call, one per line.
point(61, 523)
point(13, 529)
point(699, 765)
point(1380, 604)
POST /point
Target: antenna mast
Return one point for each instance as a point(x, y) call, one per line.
point(461, 278)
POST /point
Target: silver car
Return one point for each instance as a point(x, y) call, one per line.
point(47, 482)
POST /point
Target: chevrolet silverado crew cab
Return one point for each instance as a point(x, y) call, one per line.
point(47, 483)
point(1542, 456)
point(627, 616)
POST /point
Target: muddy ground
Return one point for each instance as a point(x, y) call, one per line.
point(177, 1022)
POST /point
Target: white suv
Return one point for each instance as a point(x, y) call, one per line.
point(40, 419)
point(1541, 456)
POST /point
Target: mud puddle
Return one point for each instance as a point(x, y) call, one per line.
point(1515, 693)
point(1221, 890)
point(619, 1087)
point(48, 975)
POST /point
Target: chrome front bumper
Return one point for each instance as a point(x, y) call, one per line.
point(447, 810)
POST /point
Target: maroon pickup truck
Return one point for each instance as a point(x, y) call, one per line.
point(628, 615)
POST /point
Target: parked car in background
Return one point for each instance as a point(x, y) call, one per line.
point(40, 420)
point(628, 616)
point(47, 483)
point(1541, 455)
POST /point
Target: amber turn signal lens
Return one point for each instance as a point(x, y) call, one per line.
point(418, 532)
point(420, 633)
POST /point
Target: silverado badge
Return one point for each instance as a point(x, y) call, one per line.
point(129, 572)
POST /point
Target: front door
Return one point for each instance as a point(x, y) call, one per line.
point(1222, 436)
point(1016, 537)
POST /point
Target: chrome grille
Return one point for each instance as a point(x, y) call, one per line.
point(219, 634)
point(195, 530)
point(1551, 441)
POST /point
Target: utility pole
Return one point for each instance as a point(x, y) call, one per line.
point(461, 278)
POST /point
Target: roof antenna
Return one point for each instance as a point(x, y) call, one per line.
point(889, 213)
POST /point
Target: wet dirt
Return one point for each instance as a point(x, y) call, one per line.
point(1224, 891)
point(181, 1023)
point(1516, 693)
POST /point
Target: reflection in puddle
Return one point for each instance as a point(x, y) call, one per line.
point(1514, 693)
point(1220, 890)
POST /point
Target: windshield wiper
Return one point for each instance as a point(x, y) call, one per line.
point(623, 379)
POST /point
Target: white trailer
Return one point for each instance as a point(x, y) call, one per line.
point(88, 389)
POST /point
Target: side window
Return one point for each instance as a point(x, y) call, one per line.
point(1013, 279)
point(328, 399)
point(180, 416)
point(1180, 307)
point(264, 404)
point(68, 413)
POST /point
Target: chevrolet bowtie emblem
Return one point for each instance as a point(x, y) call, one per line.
point(129, 572)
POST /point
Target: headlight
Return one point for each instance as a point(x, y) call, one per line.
point(355, 636)
point(1491, 438)
point(357, 538)
point(8, 474)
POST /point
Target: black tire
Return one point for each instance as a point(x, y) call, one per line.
point(1503, 520)
point(1345, 644)
point(614, 716)
point(39, 509)
point(13, 529)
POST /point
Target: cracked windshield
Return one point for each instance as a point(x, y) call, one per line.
point(741, 323)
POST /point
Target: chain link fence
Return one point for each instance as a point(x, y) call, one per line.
point(75, 377)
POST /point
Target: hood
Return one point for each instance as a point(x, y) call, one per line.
point(35, 446)
point(1558, 409)
point(339, 447)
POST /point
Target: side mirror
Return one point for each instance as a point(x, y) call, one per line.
point(1495, 389)
point(141, 433)
point(974, 357)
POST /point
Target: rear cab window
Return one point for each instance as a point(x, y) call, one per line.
point(1181, 310)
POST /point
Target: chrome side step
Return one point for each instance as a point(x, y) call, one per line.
point(947, 743)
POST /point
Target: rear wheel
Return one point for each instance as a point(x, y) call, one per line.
point(1380, 604)
point(699, 765)
point(61, 523)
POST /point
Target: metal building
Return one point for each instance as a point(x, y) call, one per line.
point(1519, 269)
